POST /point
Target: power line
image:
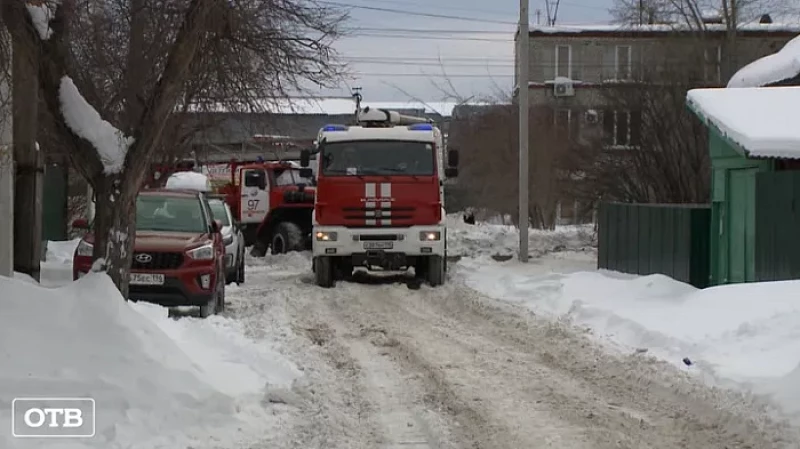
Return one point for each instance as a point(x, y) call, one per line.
point(448, 8)
point(433, 75)
point(432, 64)
point(429, 58)
point(418, 14)
point(434, 38)
point(428, 30)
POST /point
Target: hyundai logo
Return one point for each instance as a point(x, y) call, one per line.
point(144, 258)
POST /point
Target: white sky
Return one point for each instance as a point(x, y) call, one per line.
point(477, 54)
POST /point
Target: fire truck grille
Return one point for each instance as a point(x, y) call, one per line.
point(157, 261)
point(378, 213)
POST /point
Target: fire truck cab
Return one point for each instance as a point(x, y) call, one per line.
point(380, 197)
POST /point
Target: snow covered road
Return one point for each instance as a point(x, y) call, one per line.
point(389, 367)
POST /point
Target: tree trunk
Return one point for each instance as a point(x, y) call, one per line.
point(114, 230)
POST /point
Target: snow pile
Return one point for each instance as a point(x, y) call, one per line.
point(151, 391)
point(745, 335)
point(61, 251)
point(483, 239)
point(189, 180)
point(41, 15)
point(770, 69)
point(56, 268)
point(773, 132)
point(110, 143)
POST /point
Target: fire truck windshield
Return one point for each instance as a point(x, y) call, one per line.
point(378, 157)
point(290, 177)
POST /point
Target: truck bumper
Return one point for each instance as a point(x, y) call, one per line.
point(387, 247)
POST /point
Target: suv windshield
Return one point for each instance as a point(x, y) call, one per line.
point(378, 157)
point(290, 177)
point(219, 211)
point(170, 214)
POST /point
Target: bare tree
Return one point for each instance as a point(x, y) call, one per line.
point(653, 149)
point(488, 139)
point(153, 58)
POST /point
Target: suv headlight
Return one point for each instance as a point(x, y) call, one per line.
point(205, 252)
point(326, 236)
point(227, 240)
point(430, 236)
point(84, 249)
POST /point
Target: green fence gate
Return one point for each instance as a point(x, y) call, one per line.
point(669, 239)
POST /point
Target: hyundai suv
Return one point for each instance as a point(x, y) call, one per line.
point(179, 257)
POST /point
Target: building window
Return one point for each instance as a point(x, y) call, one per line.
point(713, 63)
point(566, 123)
point(623, 62)
point(563, 61)
point(621, 129)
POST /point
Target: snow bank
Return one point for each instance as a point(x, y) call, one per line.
point(151, 391)
point(110, 143)
point(41, 15)
point(773, 132)
point(189, 180)
point(746, 335)
point(56, 268)
point(484, 239)
point(61, 251)
point(770, 69)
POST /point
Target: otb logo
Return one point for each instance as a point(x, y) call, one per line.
point(53, 417)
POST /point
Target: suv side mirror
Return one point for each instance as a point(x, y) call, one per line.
point(305, 159)
point(306, 172)
point(216, 226)
point(80, 223)
point(452, 158)
point(451, 172)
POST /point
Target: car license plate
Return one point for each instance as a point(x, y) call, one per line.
point(378, 245)
point(147, 279)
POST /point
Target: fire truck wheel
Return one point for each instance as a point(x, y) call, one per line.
point(323, 271)
point(259, 249)
point(435, 271)
point(287, 237)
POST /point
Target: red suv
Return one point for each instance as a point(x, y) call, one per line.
point(179, 257)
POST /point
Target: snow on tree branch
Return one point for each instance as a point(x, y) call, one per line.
point(111, 144)
point(42, 12)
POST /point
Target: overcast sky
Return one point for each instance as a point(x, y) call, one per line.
point(392, 62)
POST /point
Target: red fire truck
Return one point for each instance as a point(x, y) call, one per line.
point(272, 201)
point(380, 197)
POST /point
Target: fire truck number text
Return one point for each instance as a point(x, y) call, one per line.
point(252, 204)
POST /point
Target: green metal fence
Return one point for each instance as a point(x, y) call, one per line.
point(670, 239)
point(777, 248)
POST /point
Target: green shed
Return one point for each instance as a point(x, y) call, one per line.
point(754, 144)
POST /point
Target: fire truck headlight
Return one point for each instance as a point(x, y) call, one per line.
point(430, 236)
point(326, 236)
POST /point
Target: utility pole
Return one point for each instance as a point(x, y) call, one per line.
point(28, 162)
point(6, 179)
point(524, 78)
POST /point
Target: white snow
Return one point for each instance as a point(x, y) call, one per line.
point(745, 336)
point(158, 383)
point(189, 180)
point(41, 15)
point(770, 69)
point(772, 132)
point(111, 144)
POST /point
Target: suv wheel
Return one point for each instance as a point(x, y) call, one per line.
point(213, 304)
point(240, 271)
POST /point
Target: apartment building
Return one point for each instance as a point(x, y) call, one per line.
point(573, 68)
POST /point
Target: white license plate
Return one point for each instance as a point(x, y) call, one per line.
point(378, 245)
point(147, 279)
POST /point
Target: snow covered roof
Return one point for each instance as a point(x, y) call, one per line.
point(345, 106)
point(658, 28)
point(770, 69)
point(761, 120)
